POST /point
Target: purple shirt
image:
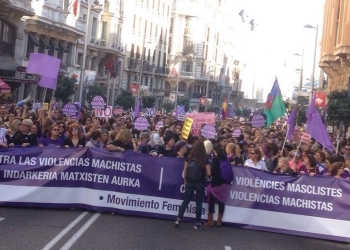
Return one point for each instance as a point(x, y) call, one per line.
point(48, 142)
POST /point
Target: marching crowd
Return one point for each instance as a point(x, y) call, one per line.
point(262, 149)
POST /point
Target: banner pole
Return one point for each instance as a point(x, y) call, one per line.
point(285, 139)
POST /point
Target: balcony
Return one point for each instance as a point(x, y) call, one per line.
point(17, 7)
point(161, 70)
point(132, 64)
point(147, 67)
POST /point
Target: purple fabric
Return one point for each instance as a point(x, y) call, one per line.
point(137, 109)
point(220, 192)
point(318, 131)
point(46, 66)
point(48, 142)
point(291, 123)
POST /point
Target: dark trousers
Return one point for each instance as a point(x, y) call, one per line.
point(212, 200)
point(189, 190)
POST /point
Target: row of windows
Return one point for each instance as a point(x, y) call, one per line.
point(7, 39)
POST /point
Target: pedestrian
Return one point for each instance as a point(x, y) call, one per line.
point(218, 189)
point(195, 169)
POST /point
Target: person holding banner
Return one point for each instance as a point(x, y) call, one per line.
point(255, 160)
point(218, 189)
point(310, 166)
point(197, 159)
point(75, 137)
point(53, 139)
point(122, 142)
point(23, 137)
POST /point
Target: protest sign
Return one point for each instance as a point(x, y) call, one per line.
point(186, 129)
point(199, 119)
point(141, 123)
point(98, 102)
point(104, 113)
point(236, 133)
point(258, 121)
point(70, 110)
point(208, 131)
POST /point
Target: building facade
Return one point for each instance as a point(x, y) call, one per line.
point(146, 30)
point(335, 44)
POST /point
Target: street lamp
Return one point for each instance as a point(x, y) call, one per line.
point(178, 79)
point(206, 91)
point(313, 68)
point(98, 7)
point(301, 69)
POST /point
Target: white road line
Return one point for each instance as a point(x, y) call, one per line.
point(228, 248)
point(2, 218)
point(80, 232)
point(64, 231)
point(161, 179)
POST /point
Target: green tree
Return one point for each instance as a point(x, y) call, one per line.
point(338, 108)
point(125, 100)
point(168, 106)
point(186, 102)
point(148, 101)
point(65, 88)
point(95, 90)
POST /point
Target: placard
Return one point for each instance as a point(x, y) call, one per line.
point(208, 131)
point(186, 129)
point(258, 121)
point(104, 113)
point(181, 117)
point(199, 119)
point(117, 111)
point(150, 112)
point(236, 133)
point(70, 109)
point(45, 106)
point(98, 102)
point(159, 125)
point(141, 123)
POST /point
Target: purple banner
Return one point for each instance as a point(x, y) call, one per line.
point(139, 184)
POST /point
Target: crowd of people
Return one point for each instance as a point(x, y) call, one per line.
point(262, 149)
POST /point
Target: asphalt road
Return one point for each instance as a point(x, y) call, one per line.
point(65, 229)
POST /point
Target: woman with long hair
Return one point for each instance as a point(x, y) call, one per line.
point(218, 189)
point(234, 154)
point(283, 167)
point(122, 142)
point(75, 137)
point(337, 169)
point(53, 139)
point(310, 166)
point(195, 169)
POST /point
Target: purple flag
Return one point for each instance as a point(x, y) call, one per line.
point(137, 109)
point(318, 131)
point(46, 66)
point(310, 110)
point(291, 123)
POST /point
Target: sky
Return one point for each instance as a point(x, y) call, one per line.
point(279, 33)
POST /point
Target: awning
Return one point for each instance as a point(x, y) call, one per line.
point(4, 88)
point(64, 47)
point(45, 43)
point(34, 39)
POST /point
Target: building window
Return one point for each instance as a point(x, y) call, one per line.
point(7, 39)
point(186, 67)
point(104, 31)
point(94, 28)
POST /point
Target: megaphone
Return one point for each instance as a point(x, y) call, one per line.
point(27, 100)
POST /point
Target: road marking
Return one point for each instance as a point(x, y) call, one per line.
point(228, 248)
point(64, 231)
point(80, 232)
point(2, 218)
point(161, 179)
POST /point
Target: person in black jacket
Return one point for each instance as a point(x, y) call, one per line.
point(218, 189)
point(23, 137)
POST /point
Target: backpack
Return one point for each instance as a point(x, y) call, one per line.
point(194, 172)
point(226, 171)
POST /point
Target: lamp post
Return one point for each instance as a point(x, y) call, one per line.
point(301, 68)
point(178, 79)
point(313, 67)
point(207, 91)
point(141, 68)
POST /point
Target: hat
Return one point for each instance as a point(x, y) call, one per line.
point(179, 145)
point(27, 122)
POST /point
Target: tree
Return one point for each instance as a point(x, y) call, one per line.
point(95, 90)
point(168, 106)
point(125, 100)
point(186, 102)
point(301, 115)
point(65, 88)
point(338, 108)
point(148, 101)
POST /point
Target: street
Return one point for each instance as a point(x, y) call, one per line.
point(26, 228)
